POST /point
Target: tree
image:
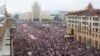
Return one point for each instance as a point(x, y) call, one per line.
point(56, 17)
point(17, 16)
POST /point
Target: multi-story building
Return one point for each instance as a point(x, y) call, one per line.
point(36, 11)
point(46, 15)
point(26, 16)
point(5, 25)
point(84, 25)
point(61, 15)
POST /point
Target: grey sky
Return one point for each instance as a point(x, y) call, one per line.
point(48, 5)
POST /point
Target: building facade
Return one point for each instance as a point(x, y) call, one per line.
point(6, 23)
point(26, 17)
point(84, 25)
point(61, 15)
point(46, 16)
point(36, 12)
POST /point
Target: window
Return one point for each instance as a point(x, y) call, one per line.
point(7, 39)
point(72, 17)
point(96, 35)
point(75, 21)
point(95, 24)
point(7, 44)
point(96, 30)
point(84, 23)
point(69, 17)
point(87, 33)
point(82, 27)
point(99, 36)
point(72, 21)
point(84, 32)
point(85, 28)
point(8, 35)
point(99, 46)
point(87, 23)
point(83, 18)
point(99, 30)
point(93, 29)
point(92, 34)
point(75, 26)
point(96, 19)
point(75, 17)
point(96, 44)
point(69, 24)
point(72, 25)
point(90, 18)
point(78, 17)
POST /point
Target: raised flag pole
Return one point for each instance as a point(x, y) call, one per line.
point(4, 3)
point(5, 12)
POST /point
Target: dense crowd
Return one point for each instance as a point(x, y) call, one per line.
point(47, 40)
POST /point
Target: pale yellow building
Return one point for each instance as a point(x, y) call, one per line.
point(6, 23)
point(46, 15)
point(26, 16)
point(36, 9)
point(84, 25)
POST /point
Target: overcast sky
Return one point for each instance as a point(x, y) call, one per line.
point(48, 5)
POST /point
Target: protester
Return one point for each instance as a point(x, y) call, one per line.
point(47, 41)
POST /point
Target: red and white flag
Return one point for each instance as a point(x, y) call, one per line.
point(31, 36)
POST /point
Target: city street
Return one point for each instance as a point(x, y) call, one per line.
point(49, 28)
point(46, 40)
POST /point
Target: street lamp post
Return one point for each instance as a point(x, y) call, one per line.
point(88, 47)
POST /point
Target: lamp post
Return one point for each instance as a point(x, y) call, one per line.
point(88, 47)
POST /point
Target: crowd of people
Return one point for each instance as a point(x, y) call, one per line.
point(47, 40)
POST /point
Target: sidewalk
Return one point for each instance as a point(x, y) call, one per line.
point(5, 50)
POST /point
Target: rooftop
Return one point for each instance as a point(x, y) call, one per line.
point(90, 11)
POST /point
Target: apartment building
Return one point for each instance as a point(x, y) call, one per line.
point(6, 23)
point(84, 25)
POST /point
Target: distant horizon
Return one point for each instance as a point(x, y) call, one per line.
point(22, 6)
